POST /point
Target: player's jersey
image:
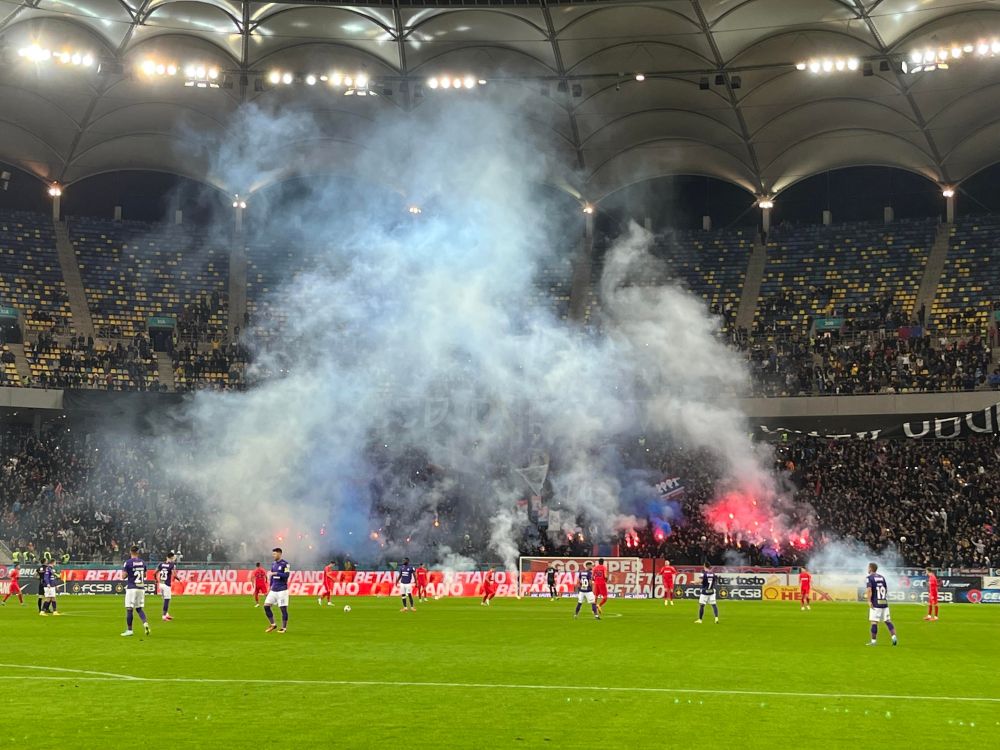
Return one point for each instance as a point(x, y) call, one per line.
point(48, 576)
point(586, 581)
point(259, 577)
point(328, 573)
point(550, 576)
point(667, 573)
point(279, 575)
point(932, 584)
point(135, 573)
point(805, 581)
point(879, 594)
point(14, 574)
point(709, 582)
point(165, 573)
point(421, 575)
point(600, 574)
point(406, 573)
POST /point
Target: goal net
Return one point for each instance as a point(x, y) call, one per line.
point(628, 577)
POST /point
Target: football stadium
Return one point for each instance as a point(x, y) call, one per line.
point(499, 373)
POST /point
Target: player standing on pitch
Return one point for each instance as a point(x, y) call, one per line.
point(585, 590)
point(667, 573)
point(405, 577)
point(550, 579)
point(165, 582)
point(327, 584)
point(489, 588)
point(259, 577)
point(135, 590)
point(48, 589)
point(877, 594)
point(932, 595)
point(422, 582)
point(601, 584)
point(805, 588)
point(15, 586)
point(709, 589)
point(278, 595)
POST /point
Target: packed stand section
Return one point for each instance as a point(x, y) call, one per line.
point(30, 277)
point(82, 362)
point(966, 300)
point(132, 271)
point(211, 365)
point(92, 497)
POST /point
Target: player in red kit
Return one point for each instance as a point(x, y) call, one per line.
point(489, 588)
point(805, 587)
point(15, 587)
point(668, 572)
point(600, 584)
point(932, 595)
point(422, 582)
point(259, 577)
point(329, 575)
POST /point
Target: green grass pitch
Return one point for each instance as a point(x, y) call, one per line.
point(519, 674)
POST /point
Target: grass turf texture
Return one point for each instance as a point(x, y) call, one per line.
point(347, 662)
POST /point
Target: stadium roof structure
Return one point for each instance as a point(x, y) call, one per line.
point(723, 93)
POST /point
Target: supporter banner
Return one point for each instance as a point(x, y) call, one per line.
point(927, 426)
point(628, 578)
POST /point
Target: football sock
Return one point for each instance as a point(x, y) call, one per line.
point(715, 610)
point(269, 613)
point(594, 608)
point(404, 601)
point(411, 600)
point(284, 617)
point(128, 619)
point(578, 606)
point(53, 605)
point(142, 614)
point(874, 631)
point(892, 628)
point(166, 605)
point(701, 611)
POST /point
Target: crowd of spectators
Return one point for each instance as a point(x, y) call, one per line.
point(79, 362)
point(91, 497)
point(211, 365)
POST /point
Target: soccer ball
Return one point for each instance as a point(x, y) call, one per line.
point(347, 607)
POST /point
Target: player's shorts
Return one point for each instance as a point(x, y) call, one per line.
point(49, 592)
point(805, 592)
point(260, 588)
point(165, 591)
point(587, 596)
point(706, 598)
point(276, 599)
point(601, 589)
point(405, 589)
point(878, 614)
point(14, 588)
point(135, 598)
point(931, 598)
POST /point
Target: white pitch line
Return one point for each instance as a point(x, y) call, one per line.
point(113, 675)
point(109, 677)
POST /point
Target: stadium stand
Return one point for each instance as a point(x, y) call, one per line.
point(132, 271)
point(30, 279)
point(86, 363)
point(8, 368)
point(970, 284)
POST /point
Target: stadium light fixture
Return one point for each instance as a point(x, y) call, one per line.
point(588, 209)
point(948, 192)
point(55, 190)
point(765, 203)
point(415, 210)
point(828, 65)
point(457, 82)
point(640, 77)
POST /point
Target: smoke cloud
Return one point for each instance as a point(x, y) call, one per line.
point(419, 369)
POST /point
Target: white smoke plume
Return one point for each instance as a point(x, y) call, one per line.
point(418, 370)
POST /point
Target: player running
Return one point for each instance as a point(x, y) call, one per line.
point(49, 584)
point(709, 589)
point(585, 590)
point(422, 582)
point(259, 577)
point(601, 584)
point(278, 595)
point(877, 595)
point(405, 577)
point(328, 577)
point(805, 588)
point(550, 580)
point(135, 590)
point(15, 585)
point(489, 588)
point(667, 573)
point(165, 582)
point(932, 595)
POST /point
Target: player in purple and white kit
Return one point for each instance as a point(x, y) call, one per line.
point(164, 581)
point(278, 595)
point(135, 590)
point(877, 594)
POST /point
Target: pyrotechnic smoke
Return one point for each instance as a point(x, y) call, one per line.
point(417, 369)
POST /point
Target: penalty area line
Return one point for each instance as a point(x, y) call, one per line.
point(110, 677)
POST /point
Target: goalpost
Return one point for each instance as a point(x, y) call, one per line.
point(628, 577)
